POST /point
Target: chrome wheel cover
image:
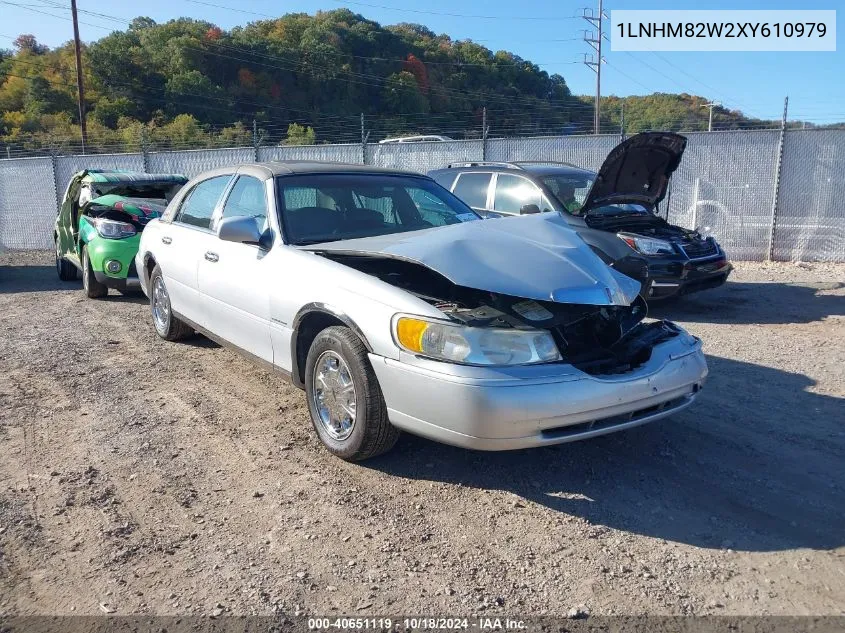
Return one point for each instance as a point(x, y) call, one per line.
point(160, 303)
point(333, 395)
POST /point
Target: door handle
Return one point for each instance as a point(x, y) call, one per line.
point(212, 257)
point(166, 239)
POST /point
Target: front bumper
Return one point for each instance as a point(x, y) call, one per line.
point(672, 278)
point(522, 407)
point(102, 251)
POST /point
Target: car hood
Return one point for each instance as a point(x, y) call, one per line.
point(637, 171)
point(535, 257)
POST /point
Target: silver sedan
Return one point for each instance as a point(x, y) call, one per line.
point(396, 307)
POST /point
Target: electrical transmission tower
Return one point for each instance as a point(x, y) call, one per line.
point(594, 39)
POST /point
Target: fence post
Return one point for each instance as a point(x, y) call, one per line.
point(776, 193)
point(255, 140)
point(365, 135)
point(484, 129)
point(54, 163)
point(622, 123)
point(145, 156)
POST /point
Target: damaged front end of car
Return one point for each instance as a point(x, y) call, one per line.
point(488, 328)
point(570, 308)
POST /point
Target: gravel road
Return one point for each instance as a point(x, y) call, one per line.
point(145, 477)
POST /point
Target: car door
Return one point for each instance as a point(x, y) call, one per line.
point(234, 279)
point(184, 242)
point(65, 229)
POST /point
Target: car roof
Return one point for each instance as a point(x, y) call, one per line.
point(296, 167)
point(97, 175)
point(534, 168)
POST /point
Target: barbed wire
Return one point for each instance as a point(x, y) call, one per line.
point(46, 145)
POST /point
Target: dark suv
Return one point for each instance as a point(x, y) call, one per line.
point(613, 210)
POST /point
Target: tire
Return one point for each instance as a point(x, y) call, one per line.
point(65, 270)
point(166, 325)
point(93, 288)
point(370, 433)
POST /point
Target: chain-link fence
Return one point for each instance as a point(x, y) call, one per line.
point(763, 193)
point(810, 216)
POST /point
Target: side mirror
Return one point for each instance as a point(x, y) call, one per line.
point(529, 208)
point(240, 229)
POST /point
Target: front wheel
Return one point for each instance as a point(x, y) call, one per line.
point(167, 326)
point(93, 288)
point(344, 398)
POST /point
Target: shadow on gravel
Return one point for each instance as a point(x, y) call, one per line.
point(132, 297)
point(33, 279)
point(755, 465)
point(198, 340)
point(772, 302)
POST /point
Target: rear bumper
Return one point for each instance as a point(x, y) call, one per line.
point(490, 409)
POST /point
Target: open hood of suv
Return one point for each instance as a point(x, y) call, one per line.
point(637, 171)
point(537, 257)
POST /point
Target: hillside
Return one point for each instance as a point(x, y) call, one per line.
point(189, 83)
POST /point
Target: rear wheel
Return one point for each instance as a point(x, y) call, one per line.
point(65, 270)
point(167, 326)
point(93, 288)
point(344, 398)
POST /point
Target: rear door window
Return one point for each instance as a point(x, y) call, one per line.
point(444, 179)
point(198, 207)
point(472, 189)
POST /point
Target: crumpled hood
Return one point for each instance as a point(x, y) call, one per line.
point(535, 257)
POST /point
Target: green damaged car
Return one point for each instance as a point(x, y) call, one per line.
point(99, 225)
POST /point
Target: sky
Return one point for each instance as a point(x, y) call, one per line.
point(548, 33)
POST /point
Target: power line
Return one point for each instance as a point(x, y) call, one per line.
point(53, 15)
point(402, 10)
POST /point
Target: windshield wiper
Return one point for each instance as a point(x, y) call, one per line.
point(321, 240)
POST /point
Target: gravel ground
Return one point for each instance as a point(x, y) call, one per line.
point(145, 477)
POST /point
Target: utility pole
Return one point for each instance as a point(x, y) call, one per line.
point(711, 105)
point(83, 128)
point(596, 21)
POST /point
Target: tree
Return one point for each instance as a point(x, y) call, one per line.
point(28, 44)
point(402, 94)
point(300, 135)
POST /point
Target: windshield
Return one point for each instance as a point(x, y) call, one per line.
point(329, 207)
point(571, 191)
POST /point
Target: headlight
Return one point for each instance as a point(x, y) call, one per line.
point(647, 245)
point(113, 229)
point(474, 345)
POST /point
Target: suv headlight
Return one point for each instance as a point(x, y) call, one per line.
point(474, 345)
point(647, 245)
point(113, 229)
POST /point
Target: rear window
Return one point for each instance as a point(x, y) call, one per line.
point(472, 189)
